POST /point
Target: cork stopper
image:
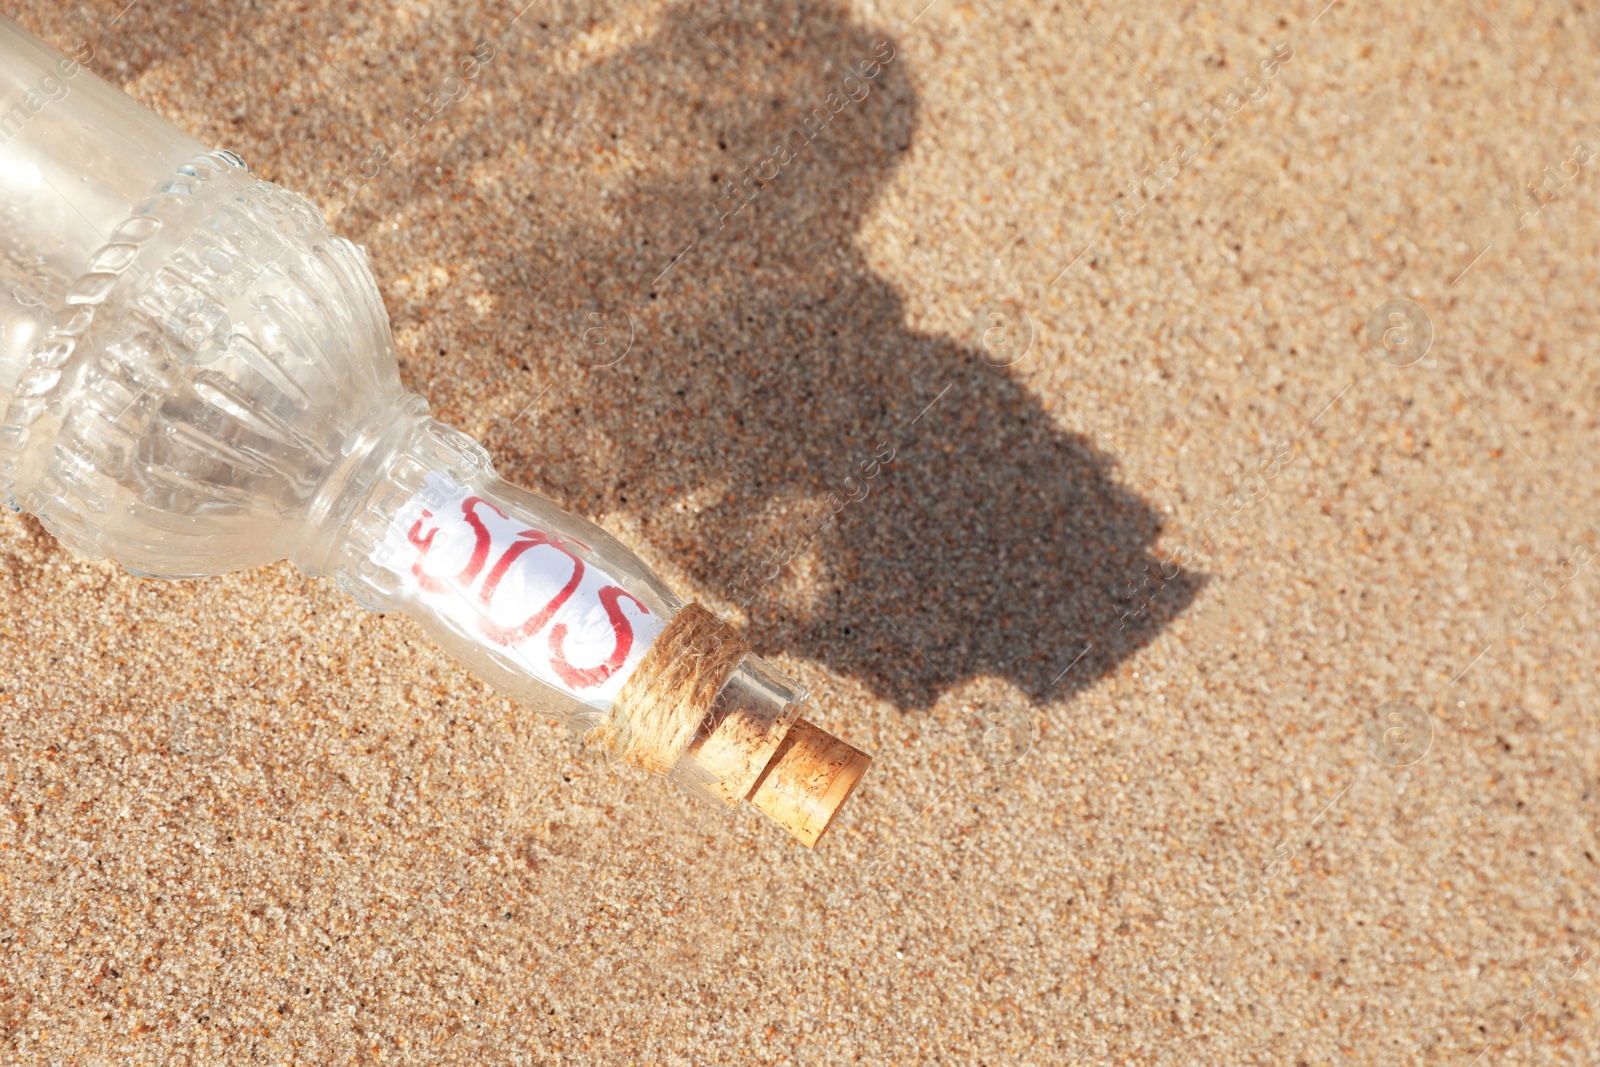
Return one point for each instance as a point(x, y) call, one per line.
point(810, 776)
point(754, 746)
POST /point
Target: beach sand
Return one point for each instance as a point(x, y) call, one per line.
point(1224, 626)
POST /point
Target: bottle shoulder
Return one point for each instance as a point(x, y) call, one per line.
point(198, 380)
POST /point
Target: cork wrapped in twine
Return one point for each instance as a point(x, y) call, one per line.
point(661, 706)
point(665, 719)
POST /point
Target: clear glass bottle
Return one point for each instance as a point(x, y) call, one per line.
point(196, 377)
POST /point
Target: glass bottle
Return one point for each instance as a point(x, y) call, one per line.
point(197, 377)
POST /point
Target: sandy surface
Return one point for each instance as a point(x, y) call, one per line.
point(1166, 822)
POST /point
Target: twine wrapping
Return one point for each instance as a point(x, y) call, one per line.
point(662, 704)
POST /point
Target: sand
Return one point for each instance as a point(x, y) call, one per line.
point(1231, 685)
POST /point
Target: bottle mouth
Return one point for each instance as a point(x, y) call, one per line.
point(754, 746)
point(751, 714)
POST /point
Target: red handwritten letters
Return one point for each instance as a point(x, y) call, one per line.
point(513, 584)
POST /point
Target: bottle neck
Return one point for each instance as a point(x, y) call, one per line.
point(552, 611)
point(341, 514)
point(412, 517)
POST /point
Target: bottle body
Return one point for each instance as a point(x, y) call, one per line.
point(75, 161)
